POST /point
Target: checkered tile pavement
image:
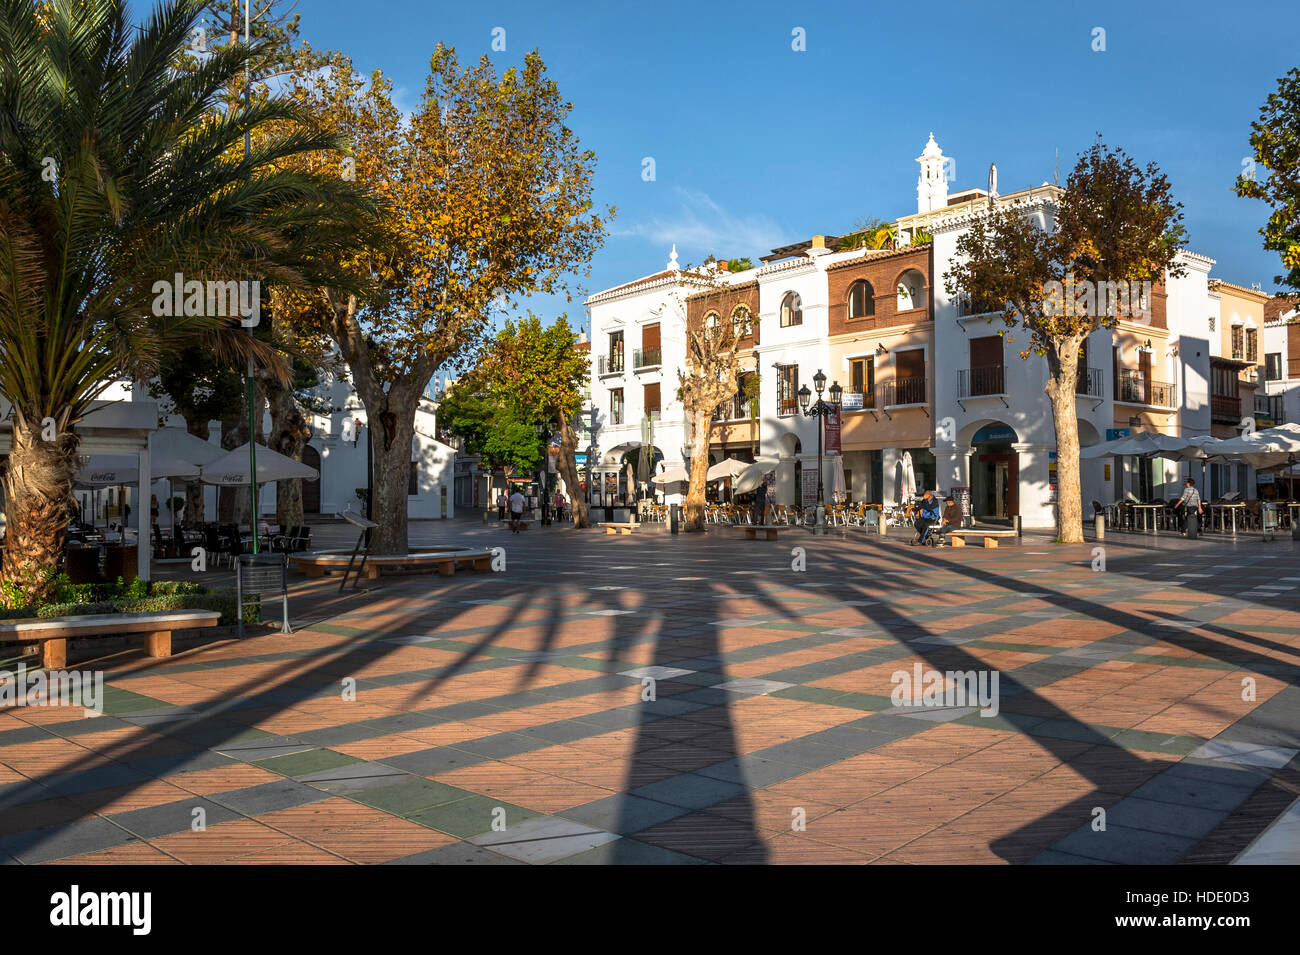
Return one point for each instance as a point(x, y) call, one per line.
point(657, 699)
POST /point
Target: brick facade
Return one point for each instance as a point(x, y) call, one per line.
point(883, 271)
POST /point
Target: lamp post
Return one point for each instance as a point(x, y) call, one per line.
point(543, 433)
point(252, 427)
point(821, 410)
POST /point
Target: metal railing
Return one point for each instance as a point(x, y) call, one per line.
point(1225, 408)
point(1143, 391)
point(901, 391)
point(973, 382)
point(609, 364)
point(647, 358)
point(1091, 382)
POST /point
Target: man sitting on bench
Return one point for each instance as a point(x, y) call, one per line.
point(952, 520)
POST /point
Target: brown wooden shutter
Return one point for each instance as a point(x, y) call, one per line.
point(986, 352)
point(910, 364)
point(652, 394)
point(650, 337)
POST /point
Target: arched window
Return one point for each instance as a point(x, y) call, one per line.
point(711, 325)
point(862, 299)
point(791, 310)
point(742, 322)
point(911, 290)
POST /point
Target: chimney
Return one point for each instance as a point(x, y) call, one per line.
point(819, 242)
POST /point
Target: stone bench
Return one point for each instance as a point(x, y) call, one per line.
point(444, 561)
point(53, 633)
point(615, 528)
point(991, 538)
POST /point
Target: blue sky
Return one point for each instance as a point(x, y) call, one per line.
point(756, 144)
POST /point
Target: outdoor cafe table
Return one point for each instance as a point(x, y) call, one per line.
point(1234, 507)
point(1149, 509)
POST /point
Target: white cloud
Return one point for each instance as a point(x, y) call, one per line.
point(699, 224)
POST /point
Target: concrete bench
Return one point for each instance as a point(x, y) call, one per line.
point(53, 633)
point(615, 528)
point(444, 561)
point(770, 531)
point(991, 538)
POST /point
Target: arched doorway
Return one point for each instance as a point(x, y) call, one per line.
point(995, 472)
point(311, 489)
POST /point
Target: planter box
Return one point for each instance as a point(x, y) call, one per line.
point(82, 564)
point(121, 560)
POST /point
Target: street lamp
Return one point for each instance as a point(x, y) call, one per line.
point(543, 433)
point(820, 410)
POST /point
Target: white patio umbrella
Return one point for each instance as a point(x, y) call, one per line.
point(839, 490)
point(177, 444)
point(1143, 443)
point(906, 477)
point(752, 476)
point(231, 469)
point(672, 475)
point(727, 467)
point(1262, 449)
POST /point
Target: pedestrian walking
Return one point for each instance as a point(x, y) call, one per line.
point(501, 506)
point(1190, 500)
point(517, 503)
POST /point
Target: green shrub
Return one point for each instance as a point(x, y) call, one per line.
point(168, 587)
point(140, 597)
point(71, 609)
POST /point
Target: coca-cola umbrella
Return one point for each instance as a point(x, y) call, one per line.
point(231, 469)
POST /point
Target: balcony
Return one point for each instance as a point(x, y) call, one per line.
point(1137, 390)
point(976, 382)
point(609, 364)
point(901, 391)
point(650, 358)
point(967, 306)
point(1225, 409)
point(1091, 383)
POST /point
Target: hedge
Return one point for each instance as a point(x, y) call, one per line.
point(184, 596)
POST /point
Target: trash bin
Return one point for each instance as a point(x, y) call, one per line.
point(1268, 519)
point(674, 518)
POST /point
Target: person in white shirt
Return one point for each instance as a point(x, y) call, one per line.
point(516, 510)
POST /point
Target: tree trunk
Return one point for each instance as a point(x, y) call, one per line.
point(702, 432)
point(233, 504)
point(38, 495)
point(1063, 373)
point(194, 489)
point(289, 434)
point(390, 434)
point(391, 418)
point(569, 471)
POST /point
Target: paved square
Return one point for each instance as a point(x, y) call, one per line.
point(661, 707)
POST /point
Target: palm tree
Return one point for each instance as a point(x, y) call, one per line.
point(117, 170)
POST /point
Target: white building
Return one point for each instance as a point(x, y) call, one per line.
point(638, 349)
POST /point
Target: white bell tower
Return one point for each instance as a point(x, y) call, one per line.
point(932, 185)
